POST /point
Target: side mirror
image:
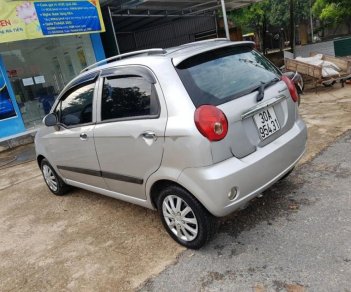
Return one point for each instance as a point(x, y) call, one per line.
point(50, 120)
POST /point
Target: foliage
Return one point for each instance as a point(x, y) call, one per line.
point(273, 13)
point(333, 12)
point(279, 15)
point(251, 17)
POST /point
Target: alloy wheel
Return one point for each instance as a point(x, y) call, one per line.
point(50, 178)
point(180, 218)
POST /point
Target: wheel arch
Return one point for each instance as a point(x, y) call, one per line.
point(160, 185)
point(40, 158)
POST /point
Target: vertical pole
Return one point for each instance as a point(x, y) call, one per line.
point(264, 34)
point(97, 47)
point(225, 20)
point(311, 19)
point(215, 23)
point(292, 26)
point(113, 30)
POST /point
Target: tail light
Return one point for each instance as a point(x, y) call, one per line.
point(211, 122)
point(292, 89)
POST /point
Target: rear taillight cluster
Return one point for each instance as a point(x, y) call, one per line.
point(292, 89)
point(211, 122)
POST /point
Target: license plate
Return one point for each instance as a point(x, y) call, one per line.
point(267, 123)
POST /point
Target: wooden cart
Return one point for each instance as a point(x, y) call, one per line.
point(315, 72)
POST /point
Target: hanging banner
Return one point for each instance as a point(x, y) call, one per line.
point(20, 20)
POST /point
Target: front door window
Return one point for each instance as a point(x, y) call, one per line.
point(76, 107)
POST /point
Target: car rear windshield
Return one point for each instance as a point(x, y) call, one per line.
point(218, 76)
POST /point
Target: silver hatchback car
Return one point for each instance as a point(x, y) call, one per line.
point(194, 131)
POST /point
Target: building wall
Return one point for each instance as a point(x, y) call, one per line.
point(341, 29)
point(167, 35)
point(323, 47)
point(340, 47)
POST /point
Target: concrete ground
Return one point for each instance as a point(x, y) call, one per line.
point(80, 242)
point(327, 114)
point(84, 241)
point(296, 238)
point(16, 156)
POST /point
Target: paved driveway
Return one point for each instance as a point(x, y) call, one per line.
point(296, 238)
point(85, 241)
point(79, 242)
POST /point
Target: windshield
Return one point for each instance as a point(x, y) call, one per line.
point(222, 75)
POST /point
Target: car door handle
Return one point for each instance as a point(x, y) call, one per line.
point(83, 136)
point(149, 135)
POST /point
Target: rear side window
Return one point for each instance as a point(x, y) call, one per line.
point(128, 97)
point(222, 75)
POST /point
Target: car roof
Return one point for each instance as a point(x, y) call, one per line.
point(175, 54)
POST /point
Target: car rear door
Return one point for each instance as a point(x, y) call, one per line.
point(129, 135)
point(249, 91)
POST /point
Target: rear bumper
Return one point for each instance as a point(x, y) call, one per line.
point(251, 175)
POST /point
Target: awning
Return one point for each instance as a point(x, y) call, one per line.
point(172, 8)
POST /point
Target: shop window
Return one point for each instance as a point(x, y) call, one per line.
point(39, 69)
point(77, 106)
point(128, 97)
point(6, 107)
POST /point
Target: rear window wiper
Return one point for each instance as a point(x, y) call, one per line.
point(262, 87)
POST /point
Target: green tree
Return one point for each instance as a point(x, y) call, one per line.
point(262, 16)
point(251, 18)
point(333, 12)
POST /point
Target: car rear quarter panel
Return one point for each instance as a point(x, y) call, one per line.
point(184, 145)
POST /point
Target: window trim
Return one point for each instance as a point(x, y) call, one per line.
point(130, 70)
point(132, 118)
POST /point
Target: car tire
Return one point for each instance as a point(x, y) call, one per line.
point(184, 217)
point(55, 184)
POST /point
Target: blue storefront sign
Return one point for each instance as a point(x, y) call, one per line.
point(21, 20)
point(10, 117)
point(67, 17)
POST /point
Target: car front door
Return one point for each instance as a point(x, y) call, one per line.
point(129, 135)
point(71, 146)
